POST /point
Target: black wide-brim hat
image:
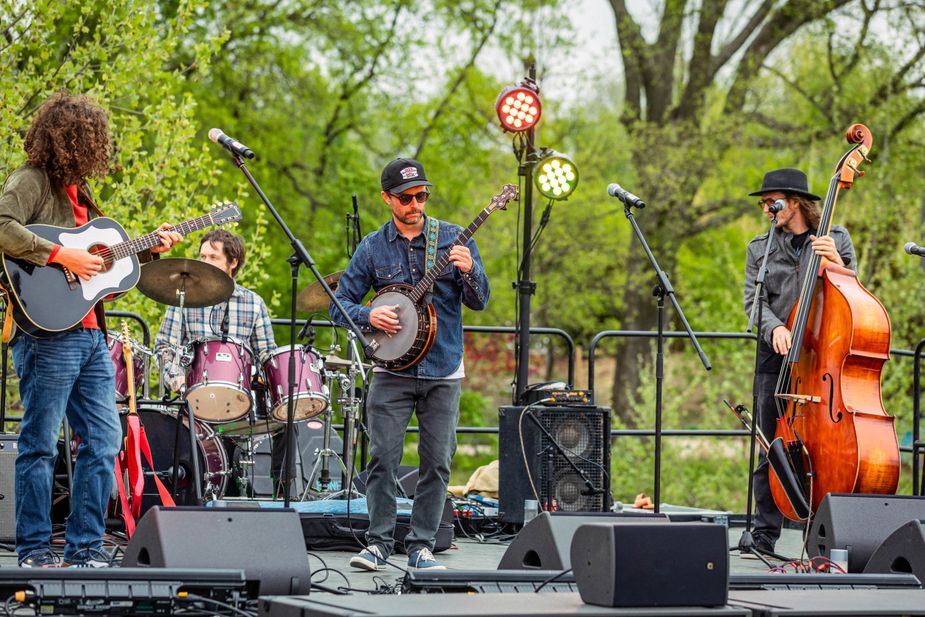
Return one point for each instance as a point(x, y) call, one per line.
point(786, 180)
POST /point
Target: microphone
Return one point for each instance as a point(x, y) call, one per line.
point(591, 491)
point(615, 190)
point(914, 249)
point(231, 144)
point(777, 206)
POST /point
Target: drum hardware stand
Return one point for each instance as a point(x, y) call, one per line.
point(662, 288)
point(299, 257)
point(193, 437)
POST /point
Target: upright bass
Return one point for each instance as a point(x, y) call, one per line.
point(830, 410)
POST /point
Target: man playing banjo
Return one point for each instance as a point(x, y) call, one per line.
point(401, 251)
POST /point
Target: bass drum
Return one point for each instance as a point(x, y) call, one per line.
point(165, 436)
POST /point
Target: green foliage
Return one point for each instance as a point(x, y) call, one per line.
point(326, 93)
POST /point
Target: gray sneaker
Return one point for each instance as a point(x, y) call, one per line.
point(370, 558)
point(423, 559)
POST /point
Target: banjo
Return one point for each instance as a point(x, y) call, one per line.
point(418, 319)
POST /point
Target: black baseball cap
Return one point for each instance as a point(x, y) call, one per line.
point(403, 174)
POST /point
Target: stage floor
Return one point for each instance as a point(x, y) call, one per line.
point(467, 554)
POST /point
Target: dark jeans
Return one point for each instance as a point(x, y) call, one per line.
point(70, 374)
point(768, 518)
point(391, 402)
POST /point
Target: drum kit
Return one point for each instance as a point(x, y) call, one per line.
point(233, 401)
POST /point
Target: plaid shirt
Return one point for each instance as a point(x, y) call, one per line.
point(248, 321)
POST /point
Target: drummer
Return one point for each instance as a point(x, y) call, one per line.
point(243, 317)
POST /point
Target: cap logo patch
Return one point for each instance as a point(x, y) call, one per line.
point(409, 172)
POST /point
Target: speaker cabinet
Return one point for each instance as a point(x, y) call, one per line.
point(583, 437)
point(543, 543)
point(859, 523)
point(8, 452)
point(646, 565)
point(266, 544)
point(903, 552)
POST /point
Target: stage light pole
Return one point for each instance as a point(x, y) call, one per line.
point(519, 109)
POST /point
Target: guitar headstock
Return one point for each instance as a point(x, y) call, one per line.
point(126, 344)
point(508, 193)
point(225, 213)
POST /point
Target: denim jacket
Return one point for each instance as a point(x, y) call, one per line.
point(385, 257)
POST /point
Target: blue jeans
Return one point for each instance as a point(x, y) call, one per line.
point(70, 374)
point(391, 402)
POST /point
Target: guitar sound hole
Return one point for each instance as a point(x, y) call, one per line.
point(103, 251)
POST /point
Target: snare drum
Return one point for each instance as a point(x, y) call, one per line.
point(219, 379)
point(117, 355)
point(311, 395)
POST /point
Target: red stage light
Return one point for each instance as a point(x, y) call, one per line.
point(519, 107)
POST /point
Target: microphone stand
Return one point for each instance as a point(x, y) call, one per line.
point(299, 257)
point(747, 540)
point(661, 289)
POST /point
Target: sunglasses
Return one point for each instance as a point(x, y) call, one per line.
point(767, 202)
point(406, 199)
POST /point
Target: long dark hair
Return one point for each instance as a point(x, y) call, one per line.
point(812, 213)
point(69, 139)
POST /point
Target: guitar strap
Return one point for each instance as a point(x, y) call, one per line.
point(430, 249)
point(7, 316)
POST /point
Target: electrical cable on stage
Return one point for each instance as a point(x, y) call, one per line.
point(551, 579)
point(197, 598)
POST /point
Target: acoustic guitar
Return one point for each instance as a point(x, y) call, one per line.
point(51, 299)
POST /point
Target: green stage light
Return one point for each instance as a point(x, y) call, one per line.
point(556, 176)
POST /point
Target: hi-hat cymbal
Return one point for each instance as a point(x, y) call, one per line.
point(335, 363)
point(313, 298)
point(203, 283)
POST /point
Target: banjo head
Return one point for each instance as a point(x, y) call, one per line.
point(392, 347)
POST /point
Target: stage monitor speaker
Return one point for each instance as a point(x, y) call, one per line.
point(646, 565)
point(8, 454)
point(544, 542)
point(859, 523)
point(583, 433)
point(903, 552)
point(266, 544)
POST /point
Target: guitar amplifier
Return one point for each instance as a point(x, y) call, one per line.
point(8, 452)
point(567, 459)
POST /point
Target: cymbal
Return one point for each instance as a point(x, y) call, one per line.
point(203, 283)
point(313, 298)
point(335, 363)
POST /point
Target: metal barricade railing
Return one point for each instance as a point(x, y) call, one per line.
point(559, 332)
point(652, 334)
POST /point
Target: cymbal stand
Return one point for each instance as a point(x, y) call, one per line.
point(350, 405)
point(193, 438)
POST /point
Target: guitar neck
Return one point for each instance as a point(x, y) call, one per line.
point(143, 243)
point(431, 275)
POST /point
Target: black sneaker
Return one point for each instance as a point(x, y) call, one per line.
point(41, 558)
point(90, 558)
point(763, 543)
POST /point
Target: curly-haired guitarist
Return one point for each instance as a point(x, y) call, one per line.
point(68, 373)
